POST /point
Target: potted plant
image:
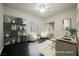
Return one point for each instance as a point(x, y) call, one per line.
point(72, 31)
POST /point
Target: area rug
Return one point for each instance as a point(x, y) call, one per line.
point(47, 48)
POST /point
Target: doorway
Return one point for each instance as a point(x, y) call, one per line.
point(50, 27)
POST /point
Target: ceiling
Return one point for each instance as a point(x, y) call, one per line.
point(53, 9)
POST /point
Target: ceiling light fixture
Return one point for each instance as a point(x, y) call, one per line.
point(41, 7)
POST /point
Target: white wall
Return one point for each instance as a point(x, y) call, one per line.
point(28, 17)
point(58, 18)
point(1, 27)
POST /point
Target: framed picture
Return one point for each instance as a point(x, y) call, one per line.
point(34, 27)
point(66, 23)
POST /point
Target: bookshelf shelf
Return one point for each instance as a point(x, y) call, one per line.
point(14, 30)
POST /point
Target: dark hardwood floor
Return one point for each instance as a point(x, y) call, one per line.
point(22, 49)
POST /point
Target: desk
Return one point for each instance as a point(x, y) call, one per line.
point(65, 47)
